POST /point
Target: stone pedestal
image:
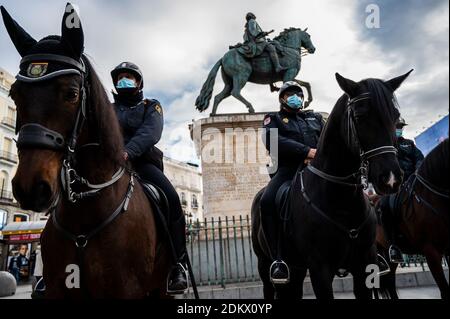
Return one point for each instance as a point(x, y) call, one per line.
point(233, 159)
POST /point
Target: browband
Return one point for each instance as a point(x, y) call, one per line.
point(56, 58)
point(23, 78)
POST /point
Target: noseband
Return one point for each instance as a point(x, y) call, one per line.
point(365, 156)
point(34, 135)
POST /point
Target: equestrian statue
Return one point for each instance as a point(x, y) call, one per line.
point(258, 60)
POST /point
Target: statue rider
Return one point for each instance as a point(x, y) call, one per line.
point(255, 39)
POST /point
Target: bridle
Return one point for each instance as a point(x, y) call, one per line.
point(362, 174)
point(37, 136)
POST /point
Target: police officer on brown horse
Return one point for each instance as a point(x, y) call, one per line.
point(409, 159)
point(298, 135)
point(142, 124)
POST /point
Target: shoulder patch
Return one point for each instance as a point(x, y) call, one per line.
point(158, 108)
point(267, 120)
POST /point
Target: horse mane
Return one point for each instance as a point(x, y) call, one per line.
point(102, 118)
point(283, 34)
point(385, 102)
point(435, 165)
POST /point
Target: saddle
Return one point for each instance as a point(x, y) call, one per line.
point(159, 203)
point(282, 205)
point(246, 50)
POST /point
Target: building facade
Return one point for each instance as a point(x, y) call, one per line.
point(9, 209)
point(187, 180)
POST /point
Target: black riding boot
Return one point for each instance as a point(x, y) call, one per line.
point(395, 254)
point(177, 282)
point(279, 270)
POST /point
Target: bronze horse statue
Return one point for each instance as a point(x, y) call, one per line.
point(328, 223)
point(421, 219)
point(237, 70)
point(101, 240)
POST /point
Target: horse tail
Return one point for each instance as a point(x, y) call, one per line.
point(202, 101)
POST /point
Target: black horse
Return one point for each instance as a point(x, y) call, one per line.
point(331, 228)
point(421, 219)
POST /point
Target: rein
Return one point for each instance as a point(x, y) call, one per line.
point(430, 187)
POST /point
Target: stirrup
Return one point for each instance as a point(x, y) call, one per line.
point(178, 292)
point(383, 261)
point(279, 281)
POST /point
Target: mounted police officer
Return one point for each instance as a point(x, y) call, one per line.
point(255, 40)
point(409, 159)
point(142, 124)
point(298, 135)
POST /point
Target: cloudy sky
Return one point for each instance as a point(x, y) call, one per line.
point(177, 42)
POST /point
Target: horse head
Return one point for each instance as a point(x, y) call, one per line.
point(297, 39)
point(48, 94)
point(368, 127)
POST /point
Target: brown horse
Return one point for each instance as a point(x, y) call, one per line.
point(422, 219)
point(101, 240)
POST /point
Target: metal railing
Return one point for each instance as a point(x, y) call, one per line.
point(221, 251)
point(11, 157)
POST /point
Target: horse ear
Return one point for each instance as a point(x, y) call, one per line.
point(348, 86)
point(305, 29)
point(72, 35)
point(21, 39)
point(395, 83)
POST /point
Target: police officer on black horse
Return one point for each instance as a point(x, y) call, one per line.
point(409, 159)
point(298, 135)
point(142, 124)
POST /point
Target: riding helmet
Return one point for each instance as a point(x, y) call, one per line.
point(401, 122)
point(250, 16)
point(291, 86)
point(130, 68)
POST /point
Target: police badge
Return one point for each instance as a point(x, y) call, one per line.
point(37, 69)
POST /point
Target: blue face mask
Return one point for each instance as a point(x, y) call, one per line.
point(125, 83)
point(294, 102)
point(398, 132)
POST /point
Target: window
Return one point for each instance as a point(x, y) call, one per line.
point(18, 217)
point(194, 203)
point(4, 180)
point(11, 113)
point(4, 186)
point(7, 144)
point(3, 216)
point(183, 199)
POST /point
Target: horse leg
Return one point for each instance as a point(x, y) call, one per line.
point(322, 280)
point(238, 84)
point(268, 288)
point(226, 92)
point(294, 289)
point(434, 260)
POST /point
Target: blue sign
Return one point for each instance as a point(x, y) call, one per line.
point(432, 136)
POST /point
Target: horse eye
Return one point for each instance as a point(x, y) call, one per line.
point(72, 96)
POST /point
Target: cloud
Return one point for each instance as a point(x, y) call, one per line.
point(176, 43)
